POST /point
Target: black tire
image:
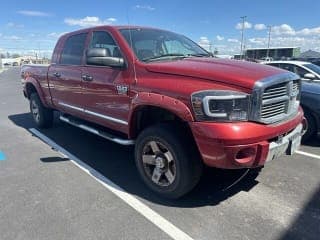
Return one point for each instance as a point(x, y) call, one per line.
point(42, 116)
point(184, 162)
point(312, 126)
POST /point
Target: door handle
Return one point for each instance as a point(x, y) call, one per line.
point(87, 78)
point(56, 74)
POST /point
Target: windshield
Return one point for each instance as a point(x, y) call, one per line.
point(313, 67)
point(156, 45)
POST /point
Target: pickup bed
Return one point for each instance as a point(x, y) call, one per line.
point(177, 104)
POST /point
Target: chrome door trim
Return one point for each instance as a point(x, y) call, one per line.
point(112, 119)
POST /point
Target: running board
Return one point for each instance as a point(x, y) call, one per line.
point(97, 132)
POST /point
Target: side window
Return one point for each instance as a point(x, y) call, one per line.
point(104, 40)
point(273, 64)
point(286, 66)
point(73, 49)
point(300, 71)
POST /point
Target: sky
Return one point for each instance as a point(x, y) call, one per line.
point(33, 26)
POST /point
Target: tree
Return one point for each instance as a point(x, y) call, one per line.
point(2, 55)
point(15, 55)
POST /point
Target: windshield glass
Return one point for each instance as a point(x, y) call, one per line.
point(156, 45)
point(313, 67)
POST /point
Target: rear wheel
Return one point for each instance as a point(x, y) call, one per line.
point(42, 116)
point(167, 161)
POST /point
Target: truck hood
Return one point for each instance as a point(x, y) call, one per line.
point(239, 73)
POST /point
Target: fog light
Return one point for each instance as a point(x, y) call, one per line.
point(246, 155)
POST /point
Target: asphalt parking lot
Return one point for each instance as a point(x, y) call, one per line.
point(44, 195)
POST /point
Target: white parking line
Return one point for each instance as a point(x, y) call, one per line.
point(308, 154)
point(136, 204)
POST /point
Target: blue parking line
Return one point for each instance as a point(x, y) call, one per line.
point(2, 156)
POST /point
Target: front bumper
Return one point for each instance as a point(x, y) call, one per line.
point(246, 144)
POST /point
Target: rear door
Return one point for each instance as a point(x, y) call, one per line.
point(106, 89)
point(65, 76)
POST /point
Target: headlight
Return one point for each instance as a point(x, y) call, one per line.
point(222, 106)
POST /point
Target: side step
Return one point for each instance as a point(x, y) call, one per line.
point(100, 133)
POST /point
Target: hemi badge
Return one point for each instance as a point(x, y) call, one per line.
point(122, 89)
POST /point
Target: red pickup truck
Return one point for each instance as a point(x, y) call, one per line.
point(179, 105)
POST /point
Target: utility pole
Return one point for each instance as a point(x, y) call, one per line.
point(242, 35)
point(269, 27)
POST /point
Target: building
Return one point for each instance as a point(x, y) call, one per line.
point(8, 62)
point(276, 53)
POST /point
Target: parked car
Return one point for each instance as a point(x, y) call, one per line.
point(162, 92)
point(310, 99)
point(306, 70)
point(310, 92)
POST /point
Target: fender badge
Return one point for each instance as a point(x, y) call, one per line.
point(122, 89)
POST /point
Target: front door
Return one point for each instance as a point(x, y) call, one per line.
point(105, 96)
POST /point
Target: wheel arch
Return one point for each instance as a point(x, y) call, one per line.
point(151, 108)
point(32, 86)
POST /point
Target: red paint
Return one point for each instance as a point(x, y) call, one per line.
point(168, 85)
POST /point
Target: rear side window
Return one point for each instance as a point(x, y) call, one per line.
point(73, 49)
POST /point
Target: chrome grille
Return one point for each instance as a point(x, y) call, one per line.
point(276, 98)
point(276, 91)
point(273, 109)
point(274, 101)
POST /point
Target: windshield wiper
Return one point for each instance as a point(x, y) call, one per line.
point(199, 55)
point(175, 55)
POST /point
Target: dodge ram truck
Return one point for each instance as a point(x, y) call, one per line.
point(181, 107)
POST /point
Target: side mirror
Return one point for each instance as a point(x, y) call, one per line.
point(102, 57)
point(309, 76)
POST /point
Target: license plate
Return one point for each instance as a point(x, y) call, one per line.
point(288, 145)
point(294, 144)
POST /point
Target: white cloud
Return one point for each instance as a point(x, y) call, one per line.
point(205, 43)
point(283, 29)
point(55, 34)
point(13, 37)
point(31, 13)
point(260, 26)
point(258, 41)
point(144, 7)
point(89, 21)
point(233, 40)
point(246, 25)
point(309, 31)
point(14, 25)
point(219, 38)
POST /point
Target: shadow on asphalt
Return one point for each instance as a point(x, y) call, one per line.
point(307, 222)
point(117, 164)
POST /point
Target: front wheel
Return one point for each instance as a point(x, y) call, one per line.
point(167, 160)
point(312, 126)
point(42, 116)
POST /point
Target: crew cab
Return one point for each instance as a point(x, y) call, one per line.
point(177, 104)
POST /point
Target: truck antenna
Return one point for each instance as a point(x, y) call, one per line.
point(131, 45)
